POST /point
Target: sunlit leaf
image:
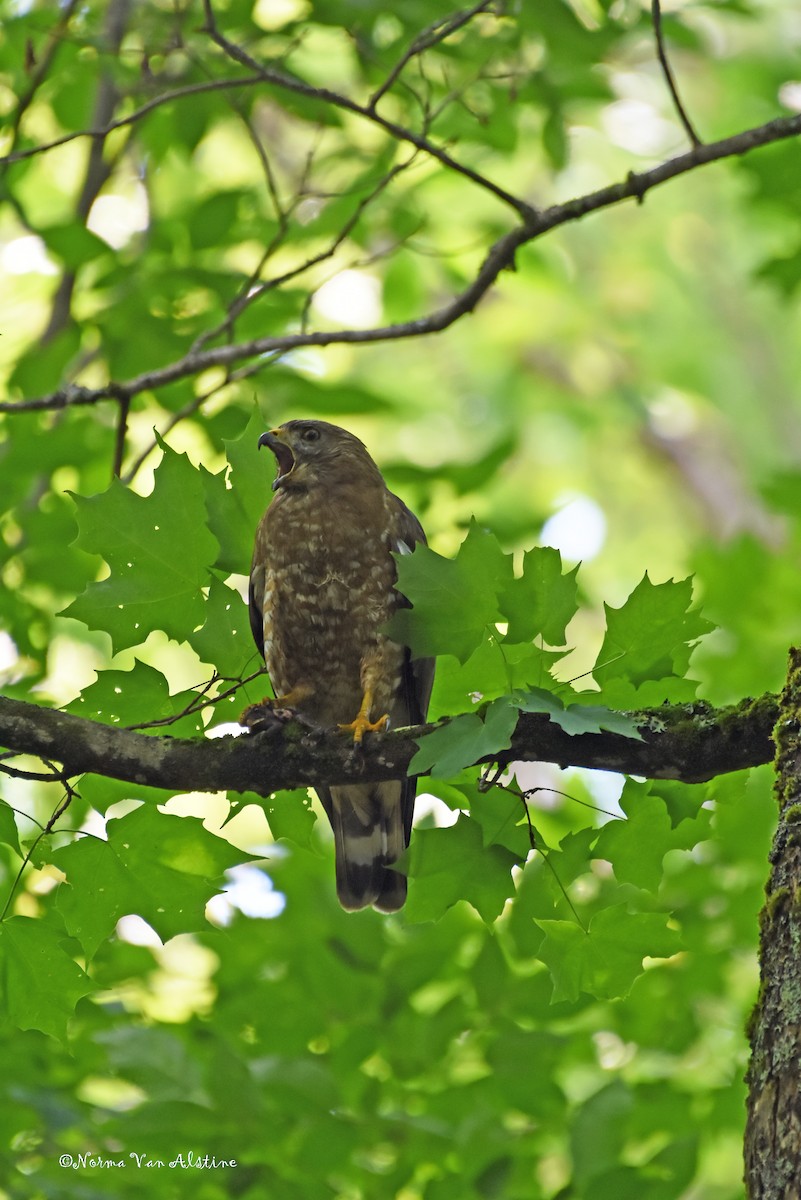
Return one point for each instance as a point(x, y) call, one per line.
point(542, 601)
point(447, 865)
point(139, 697)
point(162, 867)
point(158, 549)
point(450, 614)
point(606, 958)
point(648, 642)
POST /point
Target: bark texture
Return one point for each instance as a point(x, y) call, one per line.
point(688, 742)
point(773, 1132)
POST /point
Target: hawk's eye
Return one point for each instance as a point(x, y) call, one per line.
point(311, 434)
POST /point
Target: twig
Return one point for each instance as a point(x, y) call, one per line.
point(119, 437)
point(656, 15)
point(538, 845)
point(499, 258)
point(250, 294)
point(61, 808)
point(337, 100)
point(21, 813)
point(203, 700)
point(194, 405)
point(39, 73)
point(102, 131)
point(35, 776)
point(431, 36)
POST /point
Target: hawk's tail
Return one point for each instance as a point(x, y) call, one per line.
point(369, 824)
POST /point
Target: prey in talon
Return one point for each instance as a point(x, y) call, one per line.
point(322, 586)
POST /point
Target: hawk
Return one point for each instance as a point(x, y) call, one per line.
point(321, 589)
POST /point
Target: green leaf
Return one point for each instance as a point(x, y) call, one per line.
point(453, 864)
point(599, 1131)
point(74, 244)
point(225, 640)
point(101, 793)
point(9, 835)
point(464, 740)
point(595, 718)
point(493, 670)
point(158, 549)
point(502, 818)
point(213, 218)
point(542, 601)
point(136, 697)
point(45, 366)
point(454, 600)
point(162, 867)
point(605, 959)
point(576, 718)
point(646, 649)
point(635, 847)
point(236, 499)
point(290, 816)
point(39, 983)
point(784, 272)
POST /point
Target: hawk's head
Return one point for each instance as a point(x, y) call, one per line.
point(314, 453)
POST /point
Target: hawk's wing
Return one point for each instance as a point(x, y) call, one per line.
point(256, 599)
point(417, 678)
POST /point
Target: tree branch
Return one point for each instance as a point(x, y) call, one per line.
point(327, 96)
point(432, 35)
point(500, 257)
point(656, 16)
point(102, 131)
point(691, 743)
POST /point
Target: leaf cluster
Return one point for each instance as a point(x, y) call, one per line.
point(560, 1008)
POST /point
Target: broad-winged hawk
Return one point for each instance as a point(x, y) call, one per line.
point(321, 588)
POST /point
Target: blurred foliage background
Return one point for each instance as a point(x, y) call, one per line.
point(627, 394)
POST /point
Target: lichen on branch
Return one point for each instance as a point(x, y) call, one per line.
point(690, 743)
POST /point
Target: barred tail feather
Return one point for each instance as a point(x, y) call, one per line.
point(369, 834)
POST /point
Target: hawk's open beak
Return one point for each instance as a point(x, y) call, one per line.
point(282, 452)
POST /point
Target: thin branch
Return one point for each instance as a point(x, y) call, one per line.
point(98, 170)
point(202, 699)
point(59, 810)
point(500, 257)
point(34, 776)
point(429, 37)
point(656, 15)
point(250, 294)
point(337, 100)
point(40, 71)
point(120, 435)
point(102, 131)
point(692, 743)
point(194, 405)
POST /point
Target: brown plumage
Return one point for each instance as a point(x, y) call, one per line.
point(321, 588)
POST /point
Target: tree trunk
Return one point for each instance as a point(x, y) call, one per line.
point(773, 1131)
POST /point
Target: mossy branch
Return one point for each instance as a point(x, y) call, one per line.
point(691, 743)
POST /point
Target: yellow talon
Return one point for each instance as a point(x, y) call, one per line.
point(362, 725)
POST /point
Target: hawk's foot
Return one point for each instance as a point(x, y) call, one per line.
point(362, 724)
point(266, 714)
point(269, 713)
